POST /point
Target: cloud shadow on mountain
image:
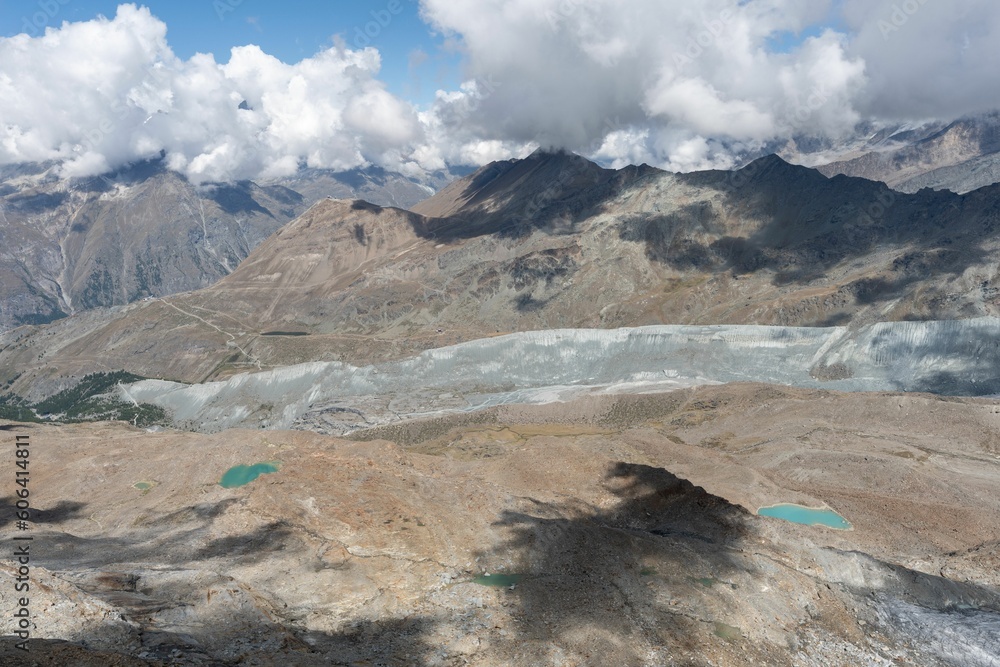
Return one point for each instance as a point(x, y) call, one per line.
point(803, 225)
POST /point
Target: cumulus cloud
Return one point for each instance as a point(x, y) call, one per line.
point(673, 83)
point(679, 83)
point(690, 85)
point(98, 94)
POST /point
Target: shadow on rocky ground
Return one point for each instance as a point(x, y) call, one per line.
point(583, 585)
point(63, 511)
point(626, 565)
point(381, 642)
point(587, 573)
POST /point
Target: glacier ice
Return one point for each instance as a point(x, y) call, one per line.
point(945, 357)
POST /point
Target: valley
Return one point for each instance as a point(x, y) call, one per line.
point(549, 242)
point(451, 333)
point(541, 418)
point(74, 244)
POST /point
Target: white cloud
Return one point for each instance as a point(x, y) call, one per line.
point(673, 83)
point(101, 93)
point(686, 85)
point(927, 59)
point(698, 105)
point(684, 79)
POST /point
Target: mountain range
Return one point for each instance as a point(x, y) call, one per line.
point(311, 491)
point(144, 231)
point(69, 245)
point(959, 156)
point(549, 241)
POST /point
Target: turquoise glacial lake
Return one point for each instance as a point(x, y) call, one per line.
point(241, 475)
point(806, 516)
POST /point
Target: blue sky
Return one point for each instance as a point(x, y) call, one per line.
point(415, 62)
point(786, 41)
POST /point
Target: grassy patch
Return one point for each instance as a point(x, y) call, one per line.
point(728, 632)
point(89, 400)
point(15, 409)
point(91, 385)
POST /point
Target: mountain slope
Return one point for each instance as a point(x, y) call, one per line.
point(71, 245)
point(624, 528)
point(554, 242)
point(966, 176)
point(103, 241)
point(516, 187)
point(960, 157)
point(372, 184)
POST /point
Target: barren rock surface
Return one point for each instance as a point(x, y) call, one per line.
point(961, 156)
point(512, 484)
point(628, 520)
point(72, 244)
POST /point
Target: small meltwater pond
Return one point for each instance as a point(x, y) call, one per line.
point(241, 475)
point(806, 515)
point(498, 580)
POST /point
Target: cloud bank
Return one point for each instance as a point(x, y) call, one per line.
point(98, 94)
point(677, 84)
point(663, 81)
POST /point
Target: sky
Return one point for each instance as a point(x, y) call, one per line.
point(289, 30)
point(233, 89)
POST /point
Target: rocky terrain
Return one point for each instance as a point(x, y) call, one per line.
point(532, 421)
point(551, 241)
point(544, 412)
point(75, 244)
point(607, 530)
point(961, 156)
point(372, 184)
point(83, 243)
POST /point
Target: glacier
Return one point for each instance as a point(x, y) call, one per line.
point(959, 357)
